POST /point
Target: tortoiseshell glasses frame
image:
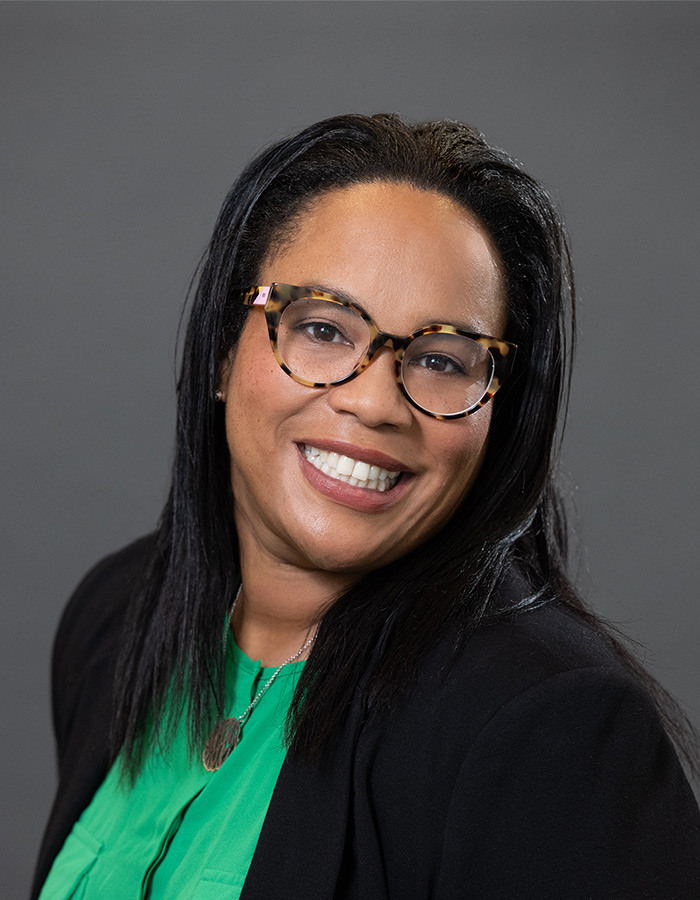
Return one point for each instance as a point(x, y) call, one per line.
point(276, 297)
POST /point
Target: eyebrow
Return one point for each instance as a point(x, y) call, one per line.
point(348, 298)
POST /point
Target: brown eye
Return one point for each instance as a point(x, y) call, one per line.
point(439, 363)
point(323, 332)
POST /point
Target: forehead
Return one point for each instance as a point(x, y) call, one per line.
point(410, 257)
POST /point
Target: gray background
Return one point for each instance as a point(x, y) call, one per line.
point(123, 126)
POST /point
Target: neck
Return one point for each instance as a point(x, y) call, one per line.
point(280, 605)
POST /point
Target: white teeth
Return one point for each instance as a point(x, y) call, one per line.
point(352, 471)
point(345, 465)
point(361, 471)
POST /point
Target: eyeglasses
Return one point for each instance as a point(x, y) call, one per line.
point(321, 340)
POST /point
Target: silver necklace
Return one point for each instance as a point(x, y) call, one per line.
point(227, 733)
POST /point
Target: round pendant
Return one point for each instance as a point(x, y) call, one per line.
point(220, 744)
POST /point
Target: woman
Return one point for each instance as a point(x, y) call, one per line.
point(411, 700)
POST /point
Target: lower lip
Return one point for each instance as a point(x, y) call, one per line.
point(363, 499)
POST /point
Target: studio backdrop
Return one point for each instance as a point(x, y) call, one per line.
point(124, 125)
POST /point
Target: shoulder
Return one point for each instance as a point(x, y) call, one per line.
point(547, 684)
point(544, 662)
point(102, 594)
point(508, 664)
point(88, 632)
point(510, 658)
point(108, 580)
point(540, 763)
point(571, 759)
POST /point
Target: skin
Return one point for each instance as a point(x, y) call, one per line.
point(410, 258)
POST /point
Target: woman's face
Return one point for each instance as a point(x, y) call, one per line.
point(410, 258)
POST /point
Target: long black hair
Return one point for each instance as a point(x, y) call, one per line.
point(172, 651)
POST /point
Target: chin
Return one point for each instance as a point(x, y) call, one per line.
point(342, 563)
point(335, 554)
point(342, 557)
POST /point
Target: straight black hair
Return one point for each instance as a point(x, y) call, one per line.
point(172, 655)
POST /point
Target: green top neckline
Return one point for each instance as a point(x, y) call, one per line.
point(254, 668)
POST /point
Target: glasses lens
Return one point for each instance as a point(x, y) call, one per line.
point(446, 373)
point(321, 341)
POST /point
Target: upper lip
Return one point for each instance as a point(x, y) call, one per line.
point(373, 457)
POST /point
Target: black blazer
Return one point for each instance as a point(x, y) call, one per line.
point(538, 769)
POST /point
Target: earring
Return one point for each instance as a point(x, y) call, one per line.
point(219, 396)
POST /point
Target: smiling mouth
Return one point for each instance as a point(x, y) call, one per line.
point(354, 472)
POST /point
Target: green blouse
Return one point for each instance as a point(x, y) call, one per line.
point(180, 831)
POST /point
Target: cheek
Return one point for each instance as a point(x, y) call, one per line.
point(462, 451)
point(253, 362)
point(253, 378)
point(260, 400)
point(458, 449)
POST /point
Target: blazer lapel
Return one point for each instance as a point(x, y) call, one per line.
point(301, 845)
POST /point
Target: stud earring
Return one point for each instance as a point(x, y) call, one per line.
point(219, 396)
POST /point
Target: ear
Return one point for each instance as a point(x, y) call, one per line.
point(223, 376)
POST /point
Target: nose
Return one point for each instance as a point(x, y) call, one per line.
point(373, 396)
